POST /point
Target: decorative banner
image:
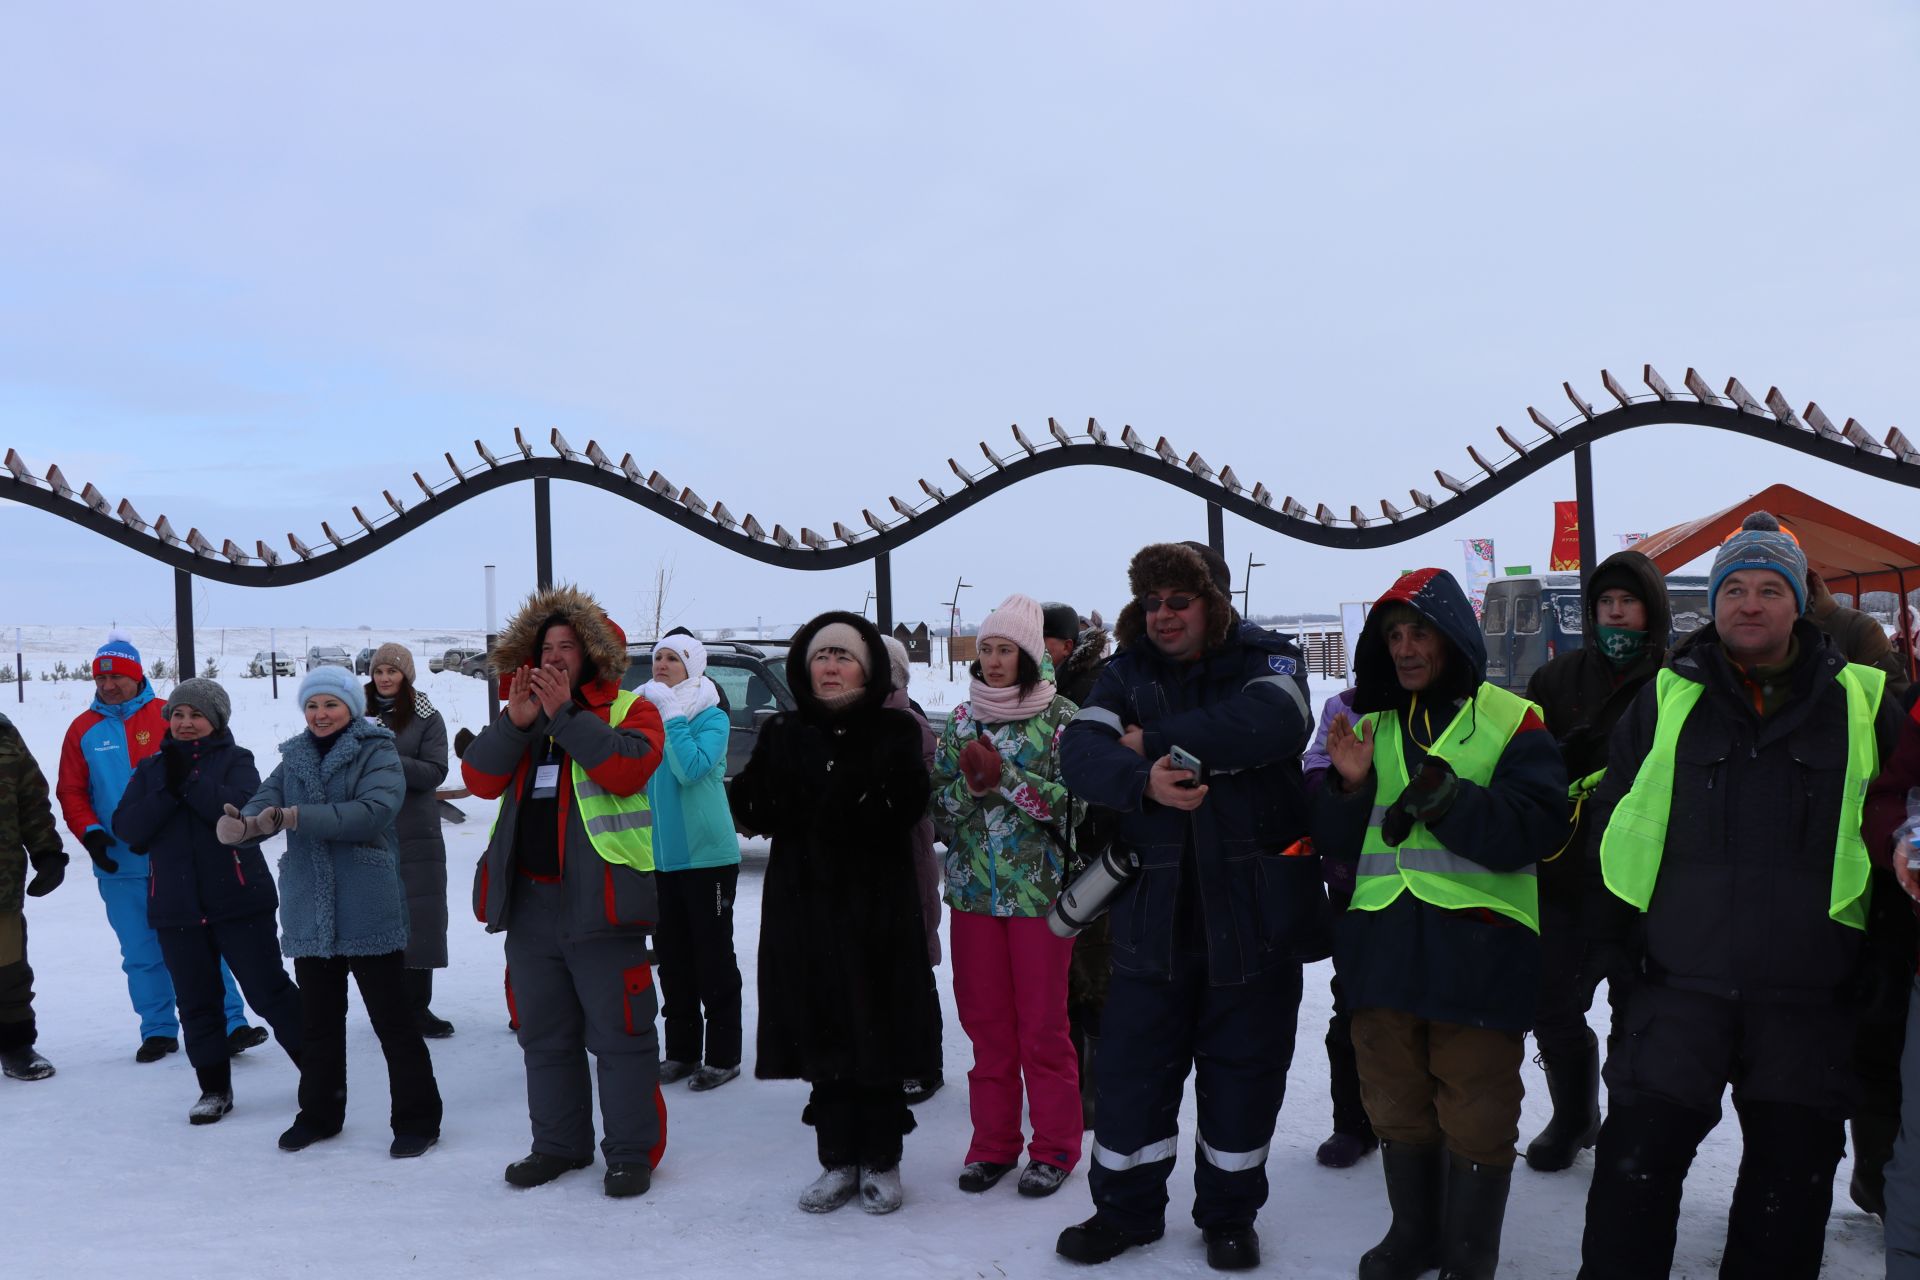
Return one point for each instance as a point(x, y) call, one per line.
point(1565, 556)
point(1479, 570)
point(1628, 539)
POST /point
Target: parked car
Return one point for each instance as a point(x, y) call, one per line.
point(284, 661)
point(476, 665)
point(363, 663)
point(450, 659)
point(328, 655)
point(752, 689)
point(1531, 619)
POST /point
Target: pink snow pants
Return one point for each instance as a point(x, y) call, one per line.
point(1010, 983)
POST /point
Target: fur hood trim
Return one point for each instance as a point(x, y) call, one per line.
point(605, 643)
point(879, 667)
point(1179, 566)
point(1088, 653)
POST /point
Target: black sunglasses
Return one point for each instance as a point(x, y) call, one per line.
point(1153, 604)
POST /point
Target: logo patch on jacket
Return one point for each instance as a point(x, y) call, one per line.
point(1285, 666)
point(142, 736)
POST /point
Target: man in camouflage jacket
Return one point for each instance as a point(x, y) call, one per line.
point(27, 836)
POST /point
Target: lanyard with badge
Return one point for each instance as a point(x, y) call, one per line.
point(546, 774)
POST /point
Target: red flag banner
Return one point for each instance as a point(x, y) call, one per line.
point(1566, 538)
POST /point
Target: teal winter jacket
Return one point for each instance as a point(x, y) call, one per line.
point(692, 823)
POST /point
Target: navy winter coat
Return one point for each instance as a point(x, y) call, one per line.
point(1473, 967)
point(192, 877)
point(1241, 708)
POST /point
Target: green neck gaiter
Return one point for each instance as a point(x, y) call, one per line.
point(1621, 647)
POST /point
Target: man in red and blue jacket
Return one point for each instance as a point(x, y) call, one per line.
point(123, 727)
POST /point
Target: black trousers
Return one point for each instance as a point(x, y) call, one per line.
point(251, 947)
point(1571, 969)
point(1343, 1072)
point(858, 1124)
point(1791, 1071)
point(693, 943)
point(323, 1054)
point(16, 998)
point(419, 990)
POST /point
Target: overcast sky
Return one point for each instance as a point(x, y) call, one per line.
point(259, 262)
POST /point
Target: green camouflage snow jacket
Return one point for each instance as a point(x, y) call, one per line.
point(1001, 861)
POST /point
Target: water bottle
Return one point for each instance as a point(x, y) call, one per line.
point(1092, 891)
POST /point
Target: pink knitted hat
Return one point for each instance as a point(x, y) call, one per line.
point(1018, 619)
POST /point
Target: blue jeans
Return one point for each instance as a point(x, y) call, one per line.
point(147, 981)
point(1903, 1171)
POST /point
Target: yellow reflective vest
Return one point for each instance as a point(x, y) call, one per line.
point(1636, 834)
point(620, 828)
point(1472, 744)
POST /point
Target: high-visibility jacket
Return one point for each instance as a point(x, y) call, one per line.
point(620, 828)
point(1636, 834)
point(1472, 744)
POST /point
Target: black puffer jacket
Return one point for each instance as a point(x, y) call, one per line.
point(1740, 906)
point(1472, 967)
point(1583, 696)
point(193, 877)
point(846, 987)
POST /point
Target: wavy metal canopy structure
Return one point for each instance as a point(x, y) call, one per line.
point(1811, 431)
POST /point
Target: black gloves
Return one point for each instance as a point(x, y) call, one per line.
point(97, 842)
point(1426, 799)
point(48, 871)
point(461, 741)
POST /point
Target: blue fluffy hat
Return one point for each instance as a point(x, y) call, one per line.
point(339, 682)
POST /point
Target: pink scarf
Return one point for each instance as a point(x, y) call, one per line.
point(1006, 706)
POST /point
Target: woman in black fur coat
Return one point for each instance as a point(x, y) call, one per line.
point(846, 991)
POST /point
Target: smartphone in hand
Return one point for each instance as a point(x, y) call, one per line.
point(1184, 759)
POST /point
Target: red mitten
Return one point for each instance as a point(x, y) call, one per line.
point(980, 765)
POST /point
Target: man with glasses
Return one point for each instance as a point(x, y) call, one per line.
point(1208, 937)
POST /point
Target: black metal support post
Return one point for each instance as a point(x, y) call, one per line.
point(1217, 529)
point(883, 594)
point(542, 532)
point(183, 622)
point(1583, 495)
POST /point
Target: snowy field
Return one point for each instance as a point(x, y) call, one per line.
point(102, 1175)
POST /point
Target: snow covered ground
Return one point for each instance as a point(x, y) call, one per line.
point(103, 1176)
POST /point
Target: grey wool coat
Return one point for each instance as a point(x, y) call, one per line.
point(422, 745)
point(340, 891)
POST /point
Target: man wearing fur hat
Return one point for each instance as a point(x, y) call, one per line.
point(1732, 812)
point(1208, 938)
point(568, 876)
point(103, 745)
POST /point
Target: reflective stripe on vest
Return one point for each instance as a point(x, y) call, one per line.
point(1472, 744)
point(620, 828)
point(1636, 834)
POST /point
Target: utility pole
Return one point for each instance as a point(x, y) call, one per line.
point(953, 621)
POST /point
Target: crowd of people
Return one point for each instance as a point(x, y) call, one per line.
point(1719, 829)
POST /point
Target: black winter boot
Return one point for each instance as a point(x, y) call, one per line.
point(1416, 1190)
point(1098, 1240)
point(24, 1063)
point(1470, 1231)
point(1574, 1085)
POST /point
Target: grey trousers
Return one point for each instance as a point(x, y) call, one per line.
point(1903, 1171)
point(574, 997)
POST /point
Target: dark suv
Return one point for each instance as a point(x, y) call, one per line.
point(751, 689)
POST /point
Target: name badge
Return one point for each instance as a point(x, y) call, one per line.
point(546, 781)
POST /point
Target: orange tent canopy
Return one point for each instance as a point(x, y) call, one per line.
point(1851, 554)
